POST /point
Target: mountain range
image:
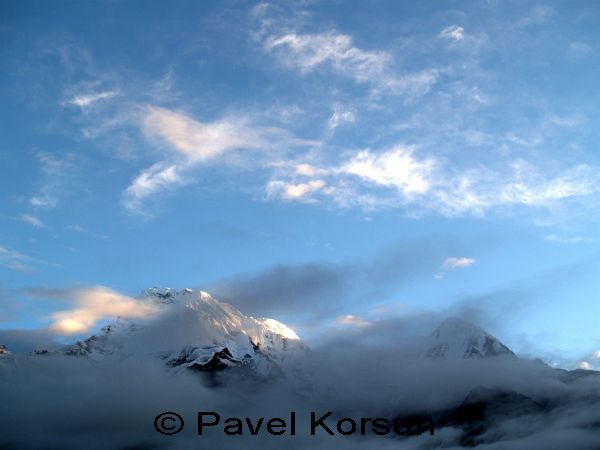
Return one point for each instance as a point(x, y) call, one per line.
point(476, 390)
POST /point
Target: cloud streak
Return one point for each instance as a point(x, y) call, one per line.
point(318, 291)
point(457, 263)
point(15, 260)
point(94, 304)
point(453, 263)
point(56, 174)
point(157, 178)
point(32, 220)
point(201, 141)
point(308, 51)
point(192, 143)
point(406, 177)
point(335, 51)
point(87, 100)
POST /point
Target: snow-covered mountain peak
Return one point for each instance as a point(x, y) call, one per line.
point(221, 315)
point(193, 329)
point(456, 338)
point(277, 327)
point(167, 295)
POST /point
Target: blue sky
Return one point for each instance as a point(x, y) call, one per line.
point(379, 158)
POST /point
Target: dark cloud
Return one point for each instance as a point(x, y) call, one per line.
point(287, 289)
point(322, 288)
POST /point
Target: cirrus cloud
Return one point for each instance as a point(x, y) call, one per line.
point(191, 143)
point(337, 52)
point(457, 263)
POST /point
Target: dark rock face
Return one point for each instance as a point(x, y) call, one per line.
point(220, 361)
point(484, 408)
point(3, 350)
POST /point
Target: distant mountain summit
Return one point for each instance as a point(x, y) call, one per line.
point(456, 338)
point(193, 330)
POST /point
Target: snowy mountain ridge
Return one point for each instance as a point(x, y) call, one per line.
point(193, 330)
point(196, 331)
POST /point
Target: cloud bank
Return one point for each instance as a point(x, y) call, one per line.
point(360, 372)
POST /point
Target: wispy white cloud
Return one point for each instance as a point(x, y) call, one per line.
point(44, 201)
point(32, 220)
point(309, 170)
point(94, 304)
point(79, 229)
point(192, 143)
point(336, 51)
point(538, 15)
point(202, 141)
point(457, 263)
point(308, 51)
point(88, 99)
point(397, 167)
point(15, 260)
point(533, 189)
point(453, 32)
point(453, 263)
point(579, 50)
point(567, 239)
point(159, 177)
point(567, 121)
point(458, 38)
point(406, 177)
point(291, 191)
point(474, 191)
point(340, 116)
point(56, 173)
point(205, 142)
